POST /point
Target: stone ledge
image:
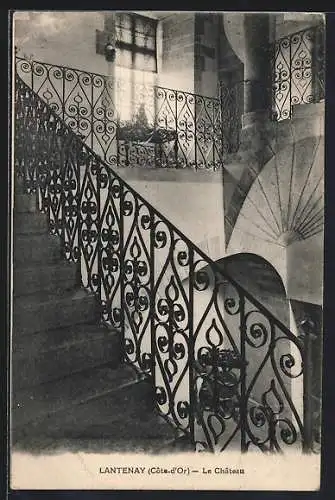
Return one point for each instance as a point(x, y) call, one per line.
point(169, 175)
point(308, 110)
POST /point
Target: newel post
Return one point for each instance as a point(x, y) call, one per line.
point(308, 328)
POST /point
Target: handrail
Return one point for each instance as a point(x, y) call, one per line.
point(179, 331)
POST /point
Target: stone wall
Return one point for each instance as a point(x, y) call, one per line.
point(291, 22)
point(305, 270)
point(191, 200)
point(63, 38)
point(206, 47)
point(283, 202)
point(177, 67)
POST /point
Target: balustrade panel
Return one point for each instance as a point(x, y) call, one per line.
point(89, 203)
point(104, 118)
point(274, 361)
point(297, 70)
point(217, 361)
point(136, 286)
point(111, 241)
point(172, 320)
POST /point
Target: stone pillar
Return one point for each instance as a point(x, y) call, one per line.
point(112, 85)
point(249, 33)
point(256, 62)
point(257, 65)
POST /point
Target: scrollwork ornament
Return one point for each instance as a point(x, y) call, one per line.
point(145, 221)
point(146, 362)
point(257, 335)
point(202, 280)
point(179, 313)
point(128, 207)
point(183, 258)
point(160, 239)
point(287, 431)
point(163, 343)
point(162, 307)
point(204, 358)
point(287, 363)
point(258, 416)
point(129, 346)
point(179, 350)
point(161, 396)
point(183, 409)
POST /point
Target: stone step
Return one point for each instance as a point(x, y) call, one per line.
point(52, 277)
point(34, 404)
point(41, 311)
point(36, 248)
point(157, 442)
point(18, 184)
point(25, 203)
point(182, 444)
point(51, 339)
point(121, 419)
point(30, 223)
point(49, 355)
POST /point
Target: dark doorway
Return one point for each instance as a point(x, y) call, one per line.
point(258, 277)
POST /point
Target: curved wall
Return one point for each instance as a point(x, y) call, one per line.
point(281, 217)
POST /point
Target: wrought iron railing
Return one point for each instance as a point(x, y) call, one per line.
point(231, 99)
point(232, 107)
point(181, 129)
point(226, 372)
point(298, 70)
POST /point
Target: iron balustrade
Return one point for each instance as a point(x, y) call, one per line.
point(296, 76)
point(232, 108)
point(298, 70)
point(226, 372)
point(187, 127)
point(231, 101)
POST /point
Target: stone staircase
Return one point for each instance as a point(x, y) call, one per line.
point(69, 388)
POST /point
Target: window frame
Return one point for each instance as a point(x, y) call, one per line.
point(132, 47)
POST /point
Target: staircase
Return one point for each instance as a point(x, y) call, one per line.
point(69, 388)
point(183, 328)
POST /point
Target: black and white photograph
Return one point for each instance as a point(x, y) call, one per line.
point(167, 249)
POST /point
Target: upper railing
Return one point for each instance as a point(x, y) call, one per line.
point(298, 70)
point(225, 371)
point(296, 76)
point(131, 123)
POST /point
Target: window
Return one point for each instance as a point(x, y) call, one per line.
point(136, 62)
point(136, 42)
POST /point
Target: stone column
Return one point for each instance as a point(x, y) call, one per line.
point(257, 81)
point(256, 62)
point(250, 35)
